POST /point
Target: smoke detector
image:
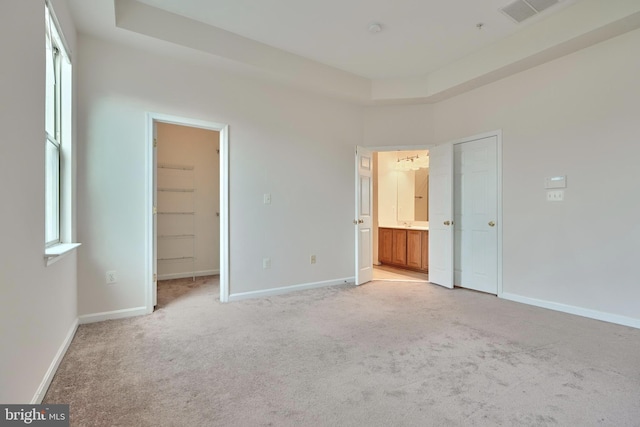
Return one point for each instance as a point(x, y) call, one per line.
point(375, 27)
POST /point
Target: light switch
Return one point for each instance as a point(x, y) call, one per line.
point(267, 198)
point(555, 195)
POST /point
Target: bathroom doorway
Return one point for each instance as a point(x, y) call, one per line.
point(400, 215)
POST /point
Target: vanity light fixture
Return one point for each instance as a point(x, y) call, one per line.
point(412, 163)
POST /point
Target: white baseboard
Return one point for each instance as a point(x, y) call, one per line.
point(188, 274)
point(579, 311)
point(287, 289)
point(48, 377)
point(111, 315)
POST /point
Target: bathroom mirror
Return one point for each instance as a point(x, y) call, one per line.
point(402, 187)
point(413, 195)
point(412, 170)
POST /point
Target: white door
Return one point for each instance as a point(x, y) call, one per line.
point(441, 215)
point(364, 211)
point(476, 207)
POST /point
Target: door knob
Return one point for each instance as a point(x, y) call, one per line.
point(360, 221)
point(447, 223)
point(355, 221)
point(492, 224)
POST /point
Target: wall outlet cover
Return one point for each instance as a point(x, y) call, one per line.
point(112, 277)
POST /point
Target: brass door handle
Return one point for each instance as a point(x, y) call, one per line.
point(492, 224)
point(355, 221)
point(447, 223)
point(360, 221)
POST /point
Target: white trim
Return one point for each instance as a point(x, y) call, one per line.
point(56, 23)
point(188, 274)
point(224, 215)
point(55, 363)
point(571, 309)
point(112, 315)
point(54, 253)
point(224, 199)
point(287, 289)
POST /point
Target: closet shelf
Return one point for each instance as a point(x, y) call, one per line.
point(177, 167)
point(177, 236)
point(185, 258)
point(176, 213)
point(177, 190)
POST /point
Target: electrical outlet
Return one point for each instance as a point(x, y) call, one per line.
point(112, 277)
point(266, 263)
point(313, 259)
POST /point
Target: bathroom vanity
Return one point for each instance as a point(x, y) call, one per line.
point(404, 247)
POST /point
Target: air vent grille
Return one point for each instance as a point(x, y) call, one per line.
point(520, 10)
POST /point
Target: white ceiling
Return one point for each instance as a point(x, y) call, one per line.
point(428, 50)
point(418, 36)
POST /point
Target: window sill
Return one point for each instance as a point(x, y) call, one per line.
point(54, 253)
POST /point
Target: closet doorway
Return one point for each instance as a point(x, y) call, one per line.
point(188, 191)
point(187, 201)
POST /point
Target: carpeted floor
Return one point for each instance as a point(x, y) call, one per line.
point(382, 354)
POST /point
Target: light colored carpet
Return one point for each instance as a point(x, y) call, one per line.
point(382, 354)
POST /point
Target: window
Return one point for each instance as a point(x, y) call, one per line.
point(58, 173)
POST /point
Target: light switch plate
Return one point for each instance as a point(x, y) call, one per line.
point(555, 195)
point(267, 198)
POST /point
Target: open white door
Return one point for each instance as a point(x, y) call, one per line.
point(364, 219)
point(441, 215)
point(154, 215)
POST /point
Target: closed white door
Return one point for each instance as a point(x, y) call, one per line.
point(364, 211)
point(475, 219)
point(441, 215)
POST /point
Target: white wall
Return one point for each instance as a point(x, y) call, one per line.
point(295, 146)
point(197, 149)
point(578, 116)
point(37, 303)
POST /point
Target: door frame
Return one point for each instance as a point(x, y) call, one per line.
point(380, 149)
point(150, 251)
point(498, 134)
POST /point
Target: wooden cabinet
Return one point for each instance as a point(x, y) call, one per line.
point(414, 248)
point(425, 249)
point(399, 247)
point(385, 245)
point(404, 248)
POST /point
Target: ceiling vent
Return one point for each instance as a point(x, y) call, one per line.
point(520, 10)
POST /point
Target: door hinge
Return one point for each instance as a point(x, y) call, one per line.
point(155, 142)
point(155, 277)
point(155, 210)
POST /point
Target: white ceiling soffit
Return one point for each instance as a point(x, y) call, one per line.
point(576, 27)
point(276, 63)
